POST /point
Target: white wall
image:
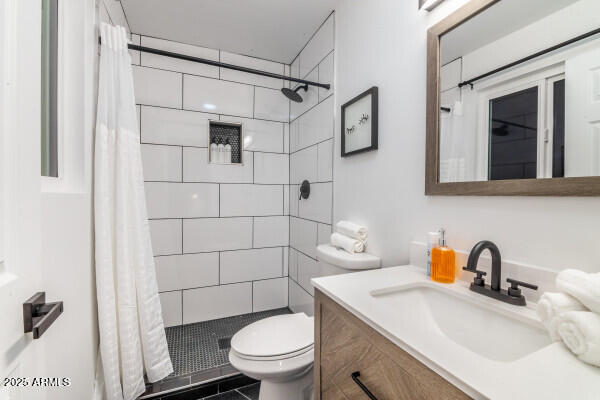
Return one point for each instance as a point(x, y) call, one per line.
point(311, 158)
point(384, 189)
point(219, 232)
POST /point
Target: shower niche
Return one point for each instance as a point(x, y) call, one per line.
point(225, 143)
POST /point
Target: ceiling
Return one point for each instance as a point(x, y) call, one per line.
point(494, 23)
point(275, 30)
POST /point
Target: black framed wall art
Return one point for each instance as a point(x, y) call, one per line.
point(360, 123)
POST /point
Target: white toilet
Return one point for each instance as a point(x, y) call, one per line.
point(279, 351)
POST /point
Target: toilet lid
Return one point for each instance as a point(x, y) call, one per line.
point(275, 336)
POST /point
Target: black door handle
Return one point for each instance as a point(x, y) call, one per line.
point(39, 315)
point(355, 376)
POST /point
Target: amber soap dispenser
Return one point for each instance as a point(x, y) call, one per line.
point(443, 262)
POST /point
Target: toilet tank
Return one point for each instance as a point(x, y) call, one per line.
point(334, 261)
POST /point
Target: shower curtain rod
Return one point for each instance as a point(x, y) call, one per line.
point(471, 81)
point(225, 65)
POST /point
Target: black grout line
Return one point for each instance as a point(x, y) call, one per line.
point(219, 251)
point(310, 220)
point(226, 217)
point(222, 284)
point(221, 183)
point(313, 35)
point(209, 48)
point(209, 113)
point(125, 16)
point(312, 145)
point(310, 109)
point(204, 76)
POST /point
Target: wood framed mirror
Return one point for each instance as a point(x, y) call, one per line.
point(513, 100)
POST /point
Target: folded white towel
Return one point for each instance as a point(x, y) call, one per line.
point(581, 285)
point(349, 244)
point(580, 330)
point(553, 304)
point(352, 230)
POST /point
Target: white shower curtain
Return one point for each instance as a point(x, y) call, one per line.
point(132, 336)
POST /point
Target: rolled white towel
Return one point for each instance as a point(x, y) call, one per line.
point(553, 304)
point(580, 331)
point(581, 285)
point(347, 243)
point(352, 230)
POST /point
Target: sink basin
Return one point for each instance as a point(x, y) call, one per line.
point(467, 319)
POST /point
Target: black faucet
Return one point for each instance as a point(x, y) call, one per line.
point(512, 295)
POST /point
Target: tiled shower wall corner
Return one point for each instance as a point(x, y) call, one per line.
point(220, 233)
point(311, 158)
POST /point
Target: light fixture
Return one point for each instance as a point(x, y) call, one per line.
point(429, 4)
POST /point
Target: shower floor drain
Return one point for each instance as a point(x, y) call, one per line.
point(224, 343)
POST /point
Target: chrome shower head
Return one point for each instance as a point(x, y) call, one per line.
point(293, 94)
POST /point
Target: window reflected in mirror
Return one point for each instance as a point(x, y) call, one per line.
point(517, 102)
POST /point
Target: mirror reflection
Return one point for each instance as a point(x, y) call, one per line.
point(520, 93)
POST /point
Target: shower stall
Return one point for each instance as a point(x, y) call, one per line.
point(232, 242)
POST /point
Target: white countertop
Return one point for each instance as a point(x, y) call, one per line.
point(552, 372)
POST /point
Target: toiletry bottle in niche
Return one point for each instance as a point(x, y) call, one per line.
point(221, 151)
point(214, 155)
point(433, 240)
point(227, 152)
point(443, 262)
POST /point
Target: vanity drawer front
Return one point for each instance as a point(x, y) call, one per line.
point(345, 345)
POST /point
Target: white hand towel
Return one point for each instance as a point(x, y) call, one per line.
point(352, 230)
point(553, 304)
point(349, 244)
point(581, 285)
point(580, 330)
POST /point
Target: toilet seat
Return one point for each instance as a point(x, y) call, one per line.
point(275, 338)
point(274, 358)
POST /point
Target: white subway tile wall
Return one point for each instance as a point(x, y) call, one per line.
point(270, 104)
point(197, 169)
point(220, 233)
point(251, 200)
point(173, 64)
point(271, 231)
point(311, 147)
point(166, 236)
point(251, 265)
point(271, 168)
point(254, 63)
point(175, 127)
point(201, 235)
point(182, 200)
point(187, 271)
point(216, 96)
point(215, 302)
point(171, 308)
point(157, 87)
point(162, 163)
point(269, 294)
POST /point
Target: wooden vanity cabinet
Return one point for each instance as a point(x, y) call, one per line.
point(345, 345)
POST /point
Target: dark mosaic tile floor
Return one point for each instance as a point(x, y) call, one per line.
point(205, 345)
point(200, 356)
